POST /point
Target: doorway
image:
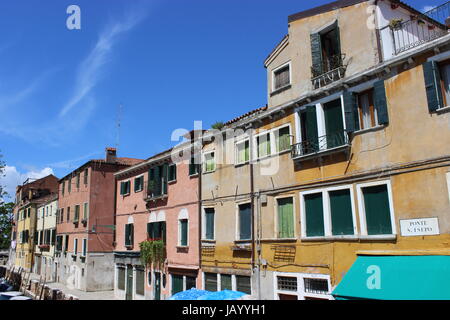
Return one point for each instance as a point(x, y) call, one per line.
point(157, 289)
point(129, 283)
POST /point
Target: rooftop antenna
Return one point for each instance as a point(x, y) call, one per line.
point(118, 120)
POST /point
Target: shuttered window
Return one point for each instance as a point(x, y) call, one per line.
point(193, 166)
point(225, 282)
point(314, 215)
point(86, 175)
point(157, 182)
point(121, 278)
point(380, 102)
point(243, 284)
point(444, 69)
point(177, 283)
point(433, 90)
point(368, 117)
point(209, 223)
point(281, 77)
point(210, 281)
point(84, 247)
point(125, 188)
point(377, 210)
point(140, 281)
point(245, 221)
point(157, 230)
point(191, 282)
point(341, 212)
point(242, 152)
point(129, 234)
point(210, 162)
point(138, 184)
point(285, 218)
point(85, 211)
point(283, 139)
point(263, 145)
point(183, 232)
point(77, 213)
point(172, 172)
point(351, 111)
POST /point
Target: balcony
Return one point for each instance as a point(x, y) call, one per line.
point(324, 145)
point(332, 69)
point(420, 29)
point(153, 192)
point(44, 247)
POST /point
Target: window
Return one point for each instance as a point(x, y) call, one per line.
point(84, 247)
point(367, 112)
point(172, 172)
point(183, 225)
point(121, 278)
point(61, 215)
point(68, 214)
point(245, 221)
point(210, 281)
point(138, 184)
point(63, 186)
point(226, 282)
point(85, 211)
point(285, 218)
point(328, 212)
point(444, 69)
point(263, 145)
point(77, 213)
point(177, 283)
point(157, 181)
point(69, 185)
point(156, 231)
point(66, 243)
point(140, 281)
point(243, 284)
point(209, 162)
point(53, 237)
point(86, 174)
point(193, 166)
point(209, 223)
point(243, 152)
point(78, 181)
point(375, 209)
point(125, 188)
point(129, 234)
point(191, 282)
point(287, 283)
point(281, 77)
point(283, 139)
point(59, 243)
point(437, 84)
point(318, 286)
point(75, 246)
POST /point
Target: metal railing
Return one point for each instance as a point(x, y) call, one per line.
point(324, 143)
point(419, 29)
point(150, 193)
point(331, 69)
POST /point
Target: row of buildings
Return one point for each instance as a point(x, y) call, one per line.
point(345, 170)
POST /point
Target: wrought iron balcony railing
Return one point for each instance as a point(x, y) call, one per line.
point(419, 29)
point(324, 144)
point(332, 69)
point(152, 192)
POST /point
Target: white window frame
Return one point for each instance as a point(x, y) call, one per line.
point(204, 223)
point(237, 233)
point(85, 208)
point(204, 161)
point(129, 191)
point(84, 247)
point(362, 211)
point(219, 282)
point(272, 132)
point(134, 181)
point(236, 151)
point(255, 143)
point(301, 293)
point(327, 213)
point(183, 215)
point(289, 64)
point(294, 215)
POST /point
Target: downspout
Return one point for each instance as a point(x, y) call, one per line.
point(199, 186)
point(252, 190)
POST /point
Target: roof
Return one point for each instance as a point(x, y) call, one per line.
point(324, 8)
point(246, 115)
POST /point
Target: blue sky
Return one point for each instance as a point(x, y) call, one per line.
point(167, 62)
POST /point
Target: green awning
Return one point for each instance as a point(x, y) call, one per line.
point(396, 278)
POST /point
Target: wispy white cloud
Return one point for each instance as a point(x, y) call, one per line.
point(13, 177)
point(427, 8)
point(73, 163)
point(92, 68)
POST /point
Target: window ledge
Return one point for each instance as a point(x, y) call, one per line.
point(172, 182)
point(208, 241)
point(379, 237)
point(236, 165)
point(376, 128)
point(279, 90)
point(195, 175)
point(443, 110)
point(330, 238)
point(279, 239)
point(207, 172)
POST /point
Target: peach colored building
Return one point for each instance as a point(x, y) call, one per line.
point(157, 200)
point(85, 224)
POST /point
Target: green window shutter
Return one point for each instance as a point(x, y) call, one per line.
point(122, 189)
point(157, 230)
point(432, 85)
point(225, 282)
point(314, 215)
point(150, 230)
point(172, 172)
point(351, 111)
point(165, 174)
point(243, 284)
point(209, 217)
point(283, 140)
point(211, 282)
point(316, 54)
point(245, 222)
point(380, 102)
point(285, 218)
point(131, 234)
point(137, 186)
point(163, 231)
point(312, 138)
point(127, 234)
point(377, 210)
point(184, 232)
point(157, 181)
point(177, 283)
point(341, 212)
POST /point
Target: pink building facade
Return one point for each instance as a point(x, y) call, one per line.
point(85, 224)
point(157, 200)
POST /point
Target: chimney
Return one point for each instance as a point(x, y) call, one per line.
point(111, 154)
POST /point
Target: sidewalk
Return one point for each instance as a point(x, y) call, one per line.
point(82, 295)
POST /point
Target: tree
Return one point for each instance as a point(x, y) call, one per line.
point(6, 216)
point(218, 125)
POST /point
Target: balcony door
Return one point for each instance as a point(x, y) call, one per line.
point(334, 124)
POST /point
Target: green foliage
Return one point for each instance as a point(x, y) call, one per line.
point(6, 215)
point(153, 252)
point(218, 125)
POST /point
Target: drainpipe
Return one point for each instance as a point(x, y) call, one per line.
point(199, 184)
point(252, 190)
